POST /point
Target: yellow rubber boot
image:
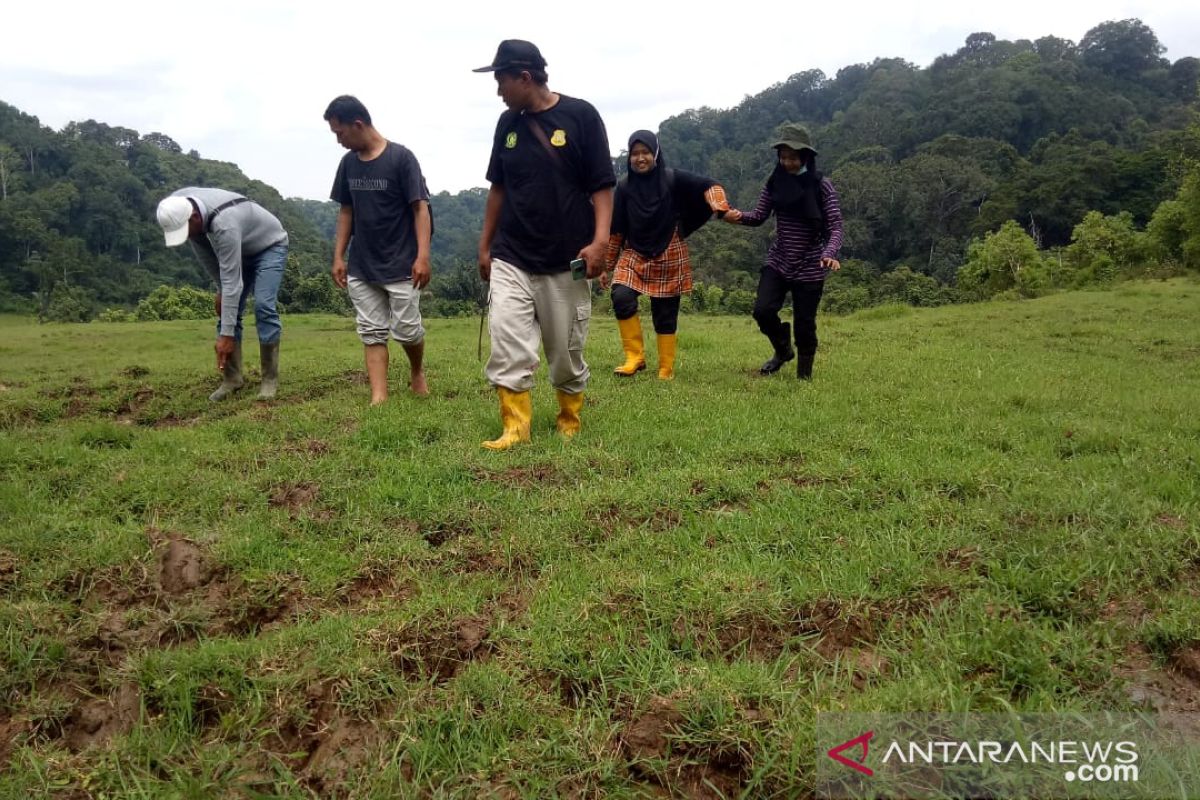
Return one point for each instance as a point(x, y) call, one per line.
point(569, 406)
point(666, 356)
point(516, 410)
point(635, 350)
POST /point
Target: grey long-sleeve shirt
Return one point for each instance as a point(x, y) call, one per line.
point(238, 233)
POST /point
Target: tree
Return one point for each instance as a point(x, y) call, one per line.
point(1004, 260)
point(1101, 247)
point(1123, 49)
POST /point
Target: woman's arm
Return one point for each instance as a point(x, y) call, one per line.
point(761, 212)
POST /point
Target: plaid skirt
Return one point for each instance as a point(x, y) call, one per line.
point(669, 274)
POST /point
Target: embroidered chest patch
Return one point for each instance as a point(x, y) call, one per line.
point(510, 141)
point(559, 139)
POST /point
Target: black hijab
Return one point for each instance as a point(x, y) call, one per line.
point(797, 195)
point(648, 216)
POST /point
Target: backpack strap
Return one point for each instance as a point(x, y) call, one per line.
point(237, 201)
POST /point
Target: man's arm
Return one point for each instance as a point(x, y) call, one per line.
point(227, 244)
point(594, 253)
point(491, 220)
point(422, 270)
point(341, 240)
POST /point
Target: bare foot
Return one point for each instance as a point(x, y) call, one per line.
point(417, 383)
point(378, 401)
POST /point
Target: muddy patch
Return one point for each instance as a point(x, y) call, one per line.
point(439, 533)
point(1170, 687)
point(608, 520)
point(1171, 521)
point(307, 447)
point(321, 743)
point(438, 654)
point(960, 559)
point(537, 476)
point(129, 408)
point(300, 499)
point(658, 752)
point(834, 630)
point(8, 569)
point(374, 583)
point(93, 723)
point(182, 567)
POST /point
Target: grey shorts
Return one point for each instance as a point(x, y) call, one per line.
point(383, 309)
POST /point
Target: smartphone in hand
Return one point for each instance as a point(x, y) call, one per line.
point(579, 269)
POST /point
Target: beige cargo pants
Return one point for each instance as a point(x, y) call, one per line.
point(527, 309)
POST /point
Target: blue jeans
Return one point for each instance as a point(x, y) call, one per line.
point(261, 276)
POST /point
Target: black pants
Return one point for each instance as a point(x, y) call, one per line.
point(664, 310)
point(806, 296)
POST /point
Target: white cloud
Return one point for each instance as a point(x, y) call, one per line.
point(247, 82)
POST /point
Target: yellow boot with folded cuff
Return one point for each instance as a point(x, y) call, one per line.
point(516, 411)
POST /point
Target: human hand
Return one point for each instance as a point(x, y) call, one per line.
point(224, 348)
point(733, 216)
point(831, 263)
point(595, 254)
point(605, 279)
point(339, 273)
point(421, 272)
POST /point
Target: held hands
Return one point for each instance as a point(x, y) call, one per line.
point(421, 272)
point(831, 263)
point(339, 273)
point(732, 216)
point(224, 348)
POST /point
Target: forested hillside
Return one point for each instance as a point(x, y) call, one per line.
point(77, 214)
point(1040, 132)
point(1029, 164)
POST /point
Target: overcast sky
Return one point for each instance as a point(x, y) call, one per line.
point(248, 81)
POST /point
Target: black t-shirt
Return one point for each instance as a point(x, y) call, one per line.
point(381, 192)
point(547, 216)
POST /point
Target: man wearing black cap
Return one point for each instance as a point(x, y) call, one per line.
point(550, 203)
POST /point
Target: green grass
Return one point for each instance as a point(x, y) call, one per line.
point(971, 508)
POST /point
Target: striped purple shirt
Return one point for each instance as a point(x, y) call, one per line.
point(799, 245)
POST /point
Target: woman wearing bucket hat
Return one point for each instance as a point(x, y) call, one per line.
point(807, 239)
point(655, 209)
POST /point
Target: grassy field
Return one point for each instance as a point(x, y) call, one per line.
point(975, 508)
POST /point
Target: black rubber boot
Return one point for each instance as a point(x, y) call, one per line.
point(804, 366)
point(783, 352)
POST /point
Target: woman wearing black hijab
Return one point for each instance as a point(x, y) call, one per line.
point(808, 235)
point(655, 209)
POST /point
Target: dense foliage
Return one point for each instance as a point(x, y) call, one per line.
point(77, 227)
point(1089, 150)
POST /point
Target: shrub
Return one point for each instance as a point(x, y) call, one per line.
point(116, 315)
point(68, 304)
point(178, 302)
point(1002, 260)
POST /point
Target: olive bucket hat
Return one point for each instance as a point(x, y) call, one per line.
point(795, 136)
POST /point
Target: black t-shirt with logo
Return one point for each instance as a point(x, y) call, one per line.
point(381, 192)
point(547, 216)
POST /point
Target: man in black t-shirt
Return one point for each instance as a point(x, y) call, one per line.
point(550, 203)
point(385, 207)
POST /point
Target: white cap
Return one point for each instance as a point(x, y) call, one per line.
point(173, 215)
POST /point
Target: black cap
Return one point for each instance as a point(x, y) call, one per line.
point(515, 54)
